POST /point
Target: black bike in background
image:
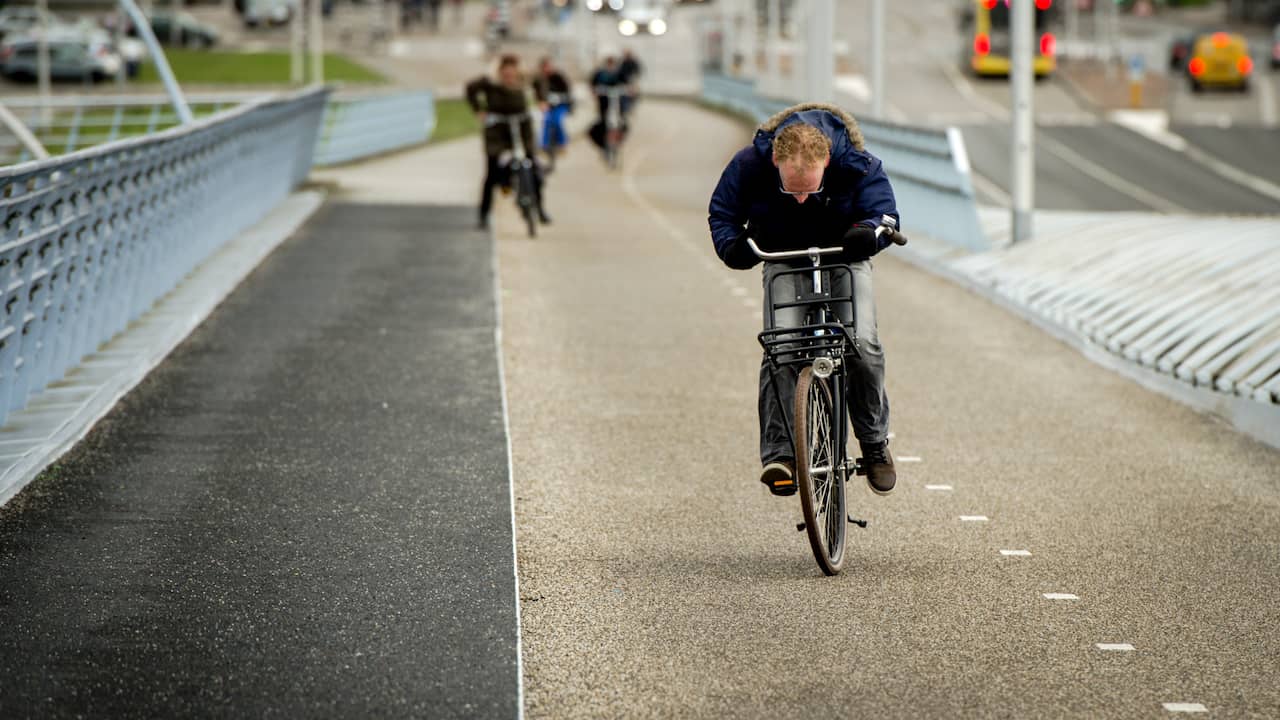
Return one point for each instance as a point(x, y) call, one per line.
point(521, 169)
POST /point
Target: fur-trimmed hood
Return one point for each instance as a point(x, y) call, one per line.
point(773, 124)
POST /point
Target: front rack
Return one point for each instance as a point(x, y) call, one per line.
point(801, 345)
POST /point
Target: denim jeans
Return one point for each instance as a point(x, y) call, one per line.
point(868, 405)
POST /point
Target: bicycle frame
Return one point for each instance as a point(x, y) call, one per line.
point(825, 341)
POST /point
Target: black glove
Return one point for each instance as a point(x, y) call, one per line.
point(739, 254)
point(860, 243)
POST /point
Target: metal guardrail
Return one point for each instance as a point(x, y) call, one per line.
point(75, 122)
point(354, 126)
point(361, 126)
point(90, 240)
point(929, 168)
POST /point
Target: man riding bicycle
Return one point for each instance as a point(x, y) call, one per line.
point(507, 96)
point(807, 180)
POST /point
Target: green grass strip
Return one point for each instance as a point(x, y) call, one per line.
point(205, 67)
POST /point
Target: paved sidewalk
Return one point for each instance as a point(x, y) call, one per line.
point(304, 512)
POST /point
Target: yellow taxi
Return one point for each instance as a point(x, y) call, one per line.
point(1220, 60)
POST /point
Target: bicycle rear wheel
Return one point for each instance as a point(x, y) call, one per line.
point(821, 481)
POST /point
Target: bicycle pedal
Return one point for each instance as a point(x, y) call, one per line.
point(860, 523)
point(859, 468)
point(800, 526)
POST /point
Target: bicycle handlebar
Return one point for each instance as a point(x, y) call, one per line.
point(888, 225)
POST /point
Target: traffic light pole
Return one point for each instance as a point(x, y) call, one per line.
point(877, 59)
point(1021, 81)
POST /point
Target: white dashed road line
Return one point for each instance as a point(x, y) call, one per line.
point(1060, 596)
point(1115, 647)
point(973, 518)
point(907, 459)
point(1185, 707)
point(1016, 553)
point(940, 488)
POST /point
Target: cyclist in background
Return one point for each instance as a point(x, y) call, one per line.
point(629, 72)
point(507, 95)
point(555, 93)
point(807, 180)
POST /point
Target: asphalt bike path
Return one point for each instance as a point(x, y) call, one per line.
point(1049, 514)
point(303, 512)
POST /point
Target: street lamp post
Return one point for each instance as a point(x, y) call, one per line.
point(820, 50)
point(877, 59)
point(316, 36)
point(1022, 77)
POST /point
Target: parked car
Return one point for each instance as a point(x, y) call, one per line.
point(17, 20)
point(70, 58)
point(190, 31)
point(1220, 59)
point(1180, 49)
point(267, 12)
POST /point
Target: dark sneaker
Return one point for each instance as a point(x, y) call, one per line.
point(544, 217)
point(877, 462)
point(779, 478)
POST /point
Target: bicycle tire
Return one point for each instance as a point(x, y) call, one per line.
point(526, 201)
point(822, 492)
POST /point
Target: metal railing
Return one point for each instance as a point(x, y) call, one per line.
point(75, 122)
point(355, 126)
point(361, 126)
point(928, 167)
point(90, 240)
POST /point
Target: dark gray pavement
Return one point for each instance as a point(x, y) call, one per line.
point(304, 512)
point(1255, 150)
point(1106, 167)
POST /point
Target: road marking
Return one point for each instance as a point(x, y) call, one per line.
point(1234, 174)
point(1106, 177)
point(908, 459)
point(965, 88)
point(973, 518)
point(1116, 647)
point(1060, 596)
point(1185, 707)
point(997, 193)
point(1016, 553)
point(939, 488)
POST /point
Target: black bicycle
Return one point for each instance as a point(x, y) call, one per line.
point(820, 348)
point(521, 169)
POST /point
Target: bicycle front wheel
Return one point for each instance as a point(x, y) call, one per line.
point(821, 480)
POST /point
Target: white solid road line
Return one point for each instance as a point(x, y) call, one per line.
point(939, 488)
point(1016, 553)
point(1185, 707)
point(1115, 647)
point(973, 518)
point(907, 459)
point(1106, 177)
point(1060, 596)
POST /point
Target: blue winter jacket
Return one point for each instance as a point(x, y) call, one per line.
point(855, 189)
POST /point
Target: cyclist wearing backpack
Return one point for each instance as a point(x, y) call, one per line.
point(807, 180)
